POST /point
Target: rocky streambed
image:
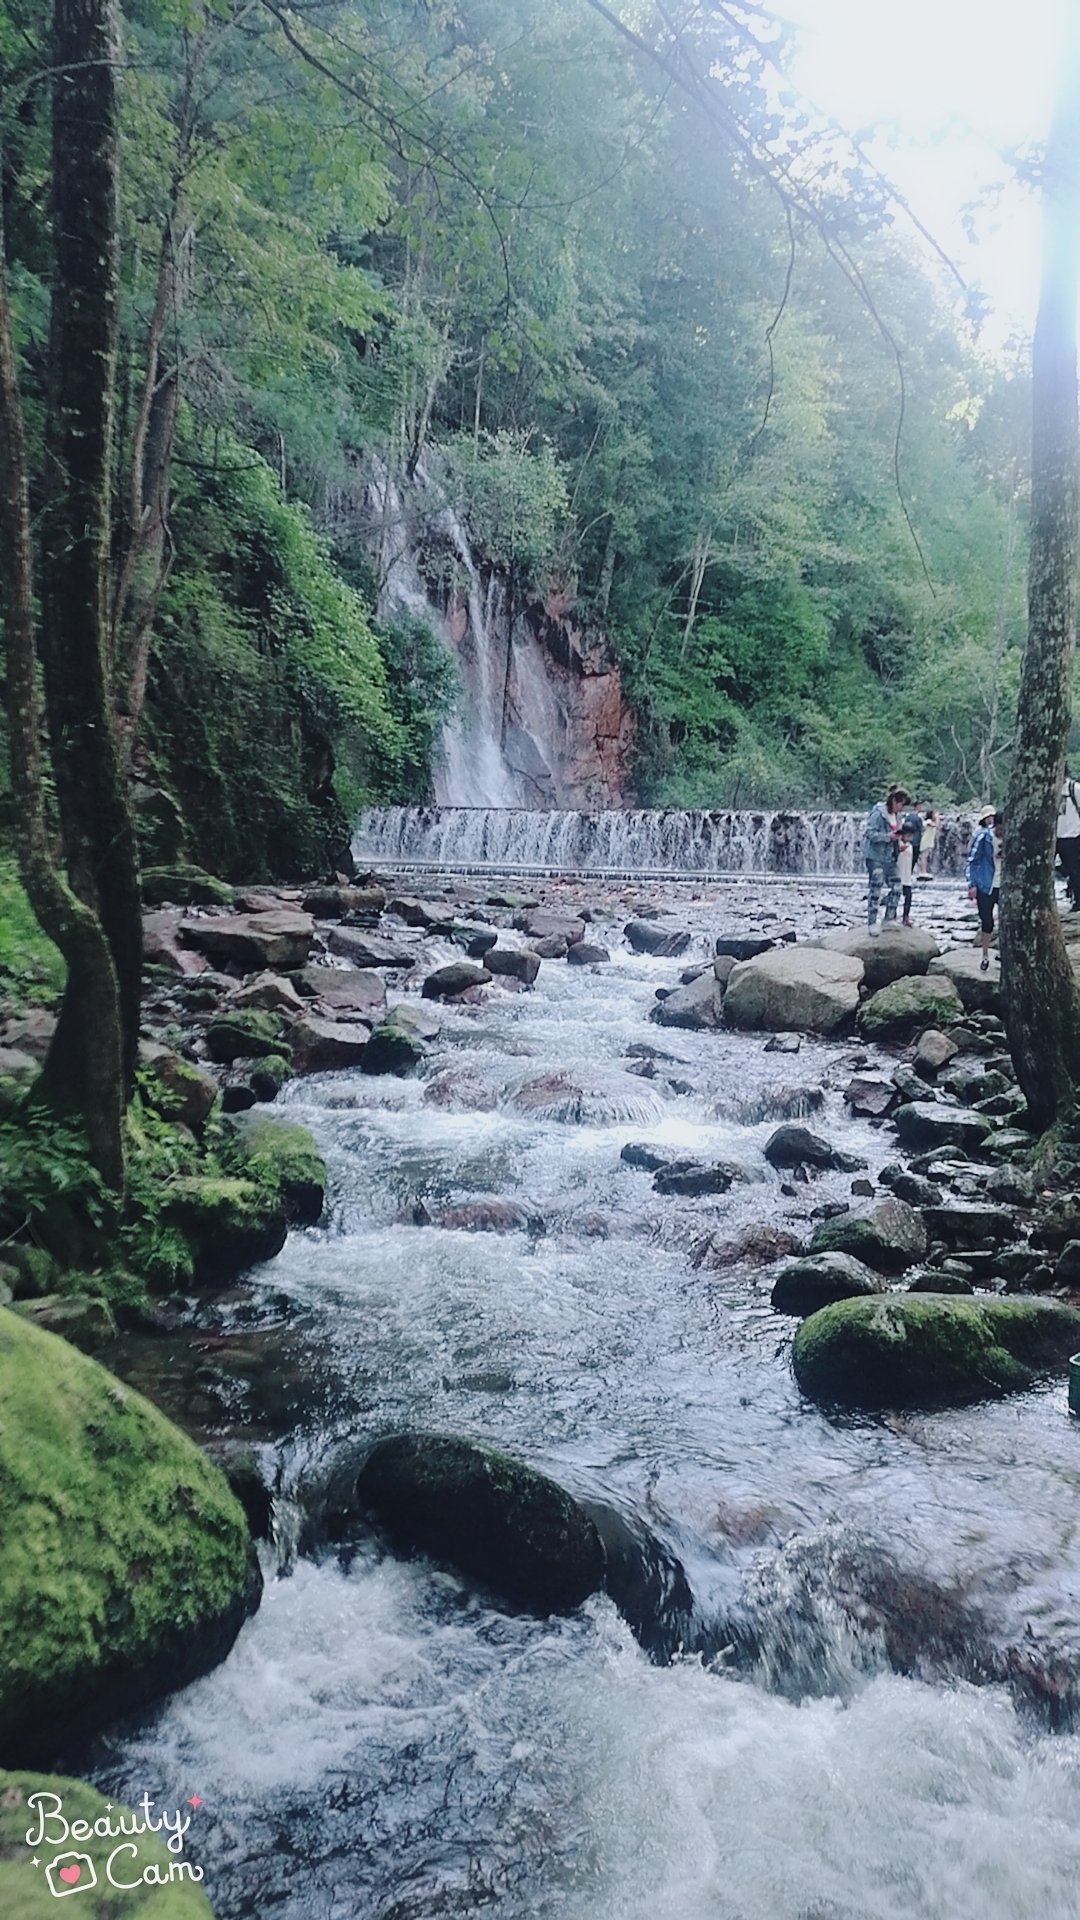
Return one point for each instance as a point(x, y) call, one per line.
point(816, 1650)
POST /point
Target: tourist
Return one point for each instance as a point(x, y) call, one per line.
point(984, 874)
point(880, 836)
point(931, 820)
point(905, 860)
point(1068, 837)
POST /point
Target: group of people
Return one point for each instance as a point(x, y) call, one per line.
point(898, 839)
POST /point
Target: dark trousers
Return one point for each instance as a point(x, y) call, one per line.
point(1068, 852)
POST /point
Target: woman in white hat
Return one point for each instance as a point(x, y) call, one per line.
point(984, 874)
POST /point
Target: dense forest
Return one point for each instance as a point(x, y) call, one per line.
point(667, 356)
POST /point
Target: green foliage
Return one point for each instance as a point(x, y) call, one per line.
point(422, 690)
point(31, 968)
point(158, 1155)
point(45, 1169)
point(515, 500)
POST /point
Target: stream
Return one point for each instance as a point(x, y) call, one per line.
point(383, 1745)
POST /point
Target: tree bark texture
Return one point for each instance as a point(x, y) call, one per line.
point(1041, 992)
point(99, 841)
point(93, 1070)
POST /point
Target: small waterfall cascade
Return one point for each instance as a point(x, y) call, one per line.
point(511, 741)
point(626, 840)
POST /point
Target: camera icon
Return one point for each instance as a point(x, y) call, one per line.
point(70, 1873)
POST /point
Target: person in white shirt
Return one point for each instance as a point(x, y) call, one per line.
point(1068, 836)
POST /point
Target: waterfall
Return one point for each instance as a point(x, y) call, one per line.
point(627, 840)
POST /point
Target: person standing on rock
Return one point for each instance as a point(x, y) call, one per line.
point(1068, 837)
point(984, 874)
point(879, 851)
point(931, 817)
point(905, 862)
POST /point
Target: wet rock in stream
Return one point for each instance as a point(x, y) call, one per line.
point(929, 1350)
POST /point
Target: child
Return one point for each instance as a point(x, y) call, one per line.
point(905, 860)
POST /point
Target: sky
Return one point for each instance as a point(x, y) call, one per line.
point(948, 84)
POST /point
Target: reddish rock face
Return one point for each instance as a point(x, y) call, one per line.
point(592, 761)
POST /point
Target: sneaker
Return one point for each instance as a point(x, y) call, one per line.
point(874, 931)
point(984, 963)
point(905, 922)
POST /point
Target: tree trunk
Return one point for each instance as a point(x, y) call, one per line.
point(1041, 993)
point(99, 842)
point(92, 1026)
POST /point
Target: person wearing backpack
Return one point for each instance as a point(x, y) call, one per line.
point(984, 874)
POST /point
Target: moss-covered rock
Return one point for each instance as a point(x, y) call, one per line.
point(249, 1032)
point(929, 1349)
point(820, 1279)
point(86, 1319)
point(888, 1238)
point(907, 1006)
point(175, 1087)
point(488, 1515)
point(392, 1048)
point(126, 1568)
point(184, 887)
point(25, 1890)
point(283, 1151)
point(228, 1224)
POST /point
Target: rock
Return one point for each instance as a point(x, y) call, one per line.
point(552, 948)
point(265, 1077)
point(889, 1238)
point(792, 1146)
point(933, 1052)
point(742, 946)
point(285, 1152)
point(870, 1096)
point(345, 991)
point(893, 954)
point(536, 923)
point(184, 887)
point(368, 949)
point(30, 1034)
point(324, 1046)
point(723, 967)
point(461, 1091)
point(638, 1153)
point(820, 1278)
point(912, 1187)
point(647, 1583)
point(487, 1216)
point(228, 1224)
point(897, 1011)
point(927, 1124)
point(333, 903)
point(23, 1889)
point(586, 953)
point(794, 988)
point(910, 1085)
point(481, 943)
point(126, 1568)
point(247, 1032)
point(588, 1099)
point(257, 942)
point(161, 945)
point(489, 1516)
point(962, 1224)
point(269, 992)
point(175, 1088)
point(783, 1043)
point(978, 991)
point(929, 1349)
point(1010, 1187)
point(755, 1247)
point(698, 1006)
point(447, 982)
point(975, 1083)
point(940, 1280)
point(519, 963)
point(645, 937)
point(1067, 1270)
point(415, 1018)
point(691, 1177)
point(432, 915)
point(83, 1318)
point(392, 1048)
point(17, 1070)
point(970, 1040)
point(775, 1103)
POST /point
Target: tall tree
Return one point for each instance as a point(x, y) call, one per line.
point(1041, 992)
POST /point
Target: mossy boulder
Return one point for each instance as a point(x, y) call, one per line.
point(126, 1567)
point(907, 1006)
point(86, 1319)
point(184, 887)
point(889, 1238)
point(25, 1892)
point(175, 1087)
point(925, 1349)
point(283, 1151)
point(929, 1124)
point(248, 1033)
point(228, 1224)
point(392, 1048)
point(493, 1518)
point(819, 1279)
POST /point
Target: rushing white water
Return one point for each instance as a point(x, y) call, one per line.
point(382, 1744)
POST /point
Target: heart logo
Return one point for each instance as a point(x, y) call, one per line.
point(71, 1874)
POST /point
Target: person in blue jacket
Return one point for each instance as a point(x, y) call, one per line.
point(880, 839)
point(984, 874)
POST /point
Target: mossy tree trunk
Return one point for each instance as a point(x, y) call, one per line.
point(1041, 992)
point(98, 835)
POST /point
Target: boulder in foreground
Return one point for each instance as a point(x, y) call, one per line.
point(926, 1349)
point(907, 1006)
point(491, 1517)
point(126, 1567)
point(820, 1279)
point(794, 989)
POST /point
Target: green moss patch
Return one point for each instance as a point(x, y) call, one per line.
point(929, 1349)
point(25, 1890)
point(284, 1155)
point(126, 1568)
point(227, 1224)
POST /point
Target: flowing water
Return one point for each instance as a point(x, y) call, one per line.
point(383, 1745)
